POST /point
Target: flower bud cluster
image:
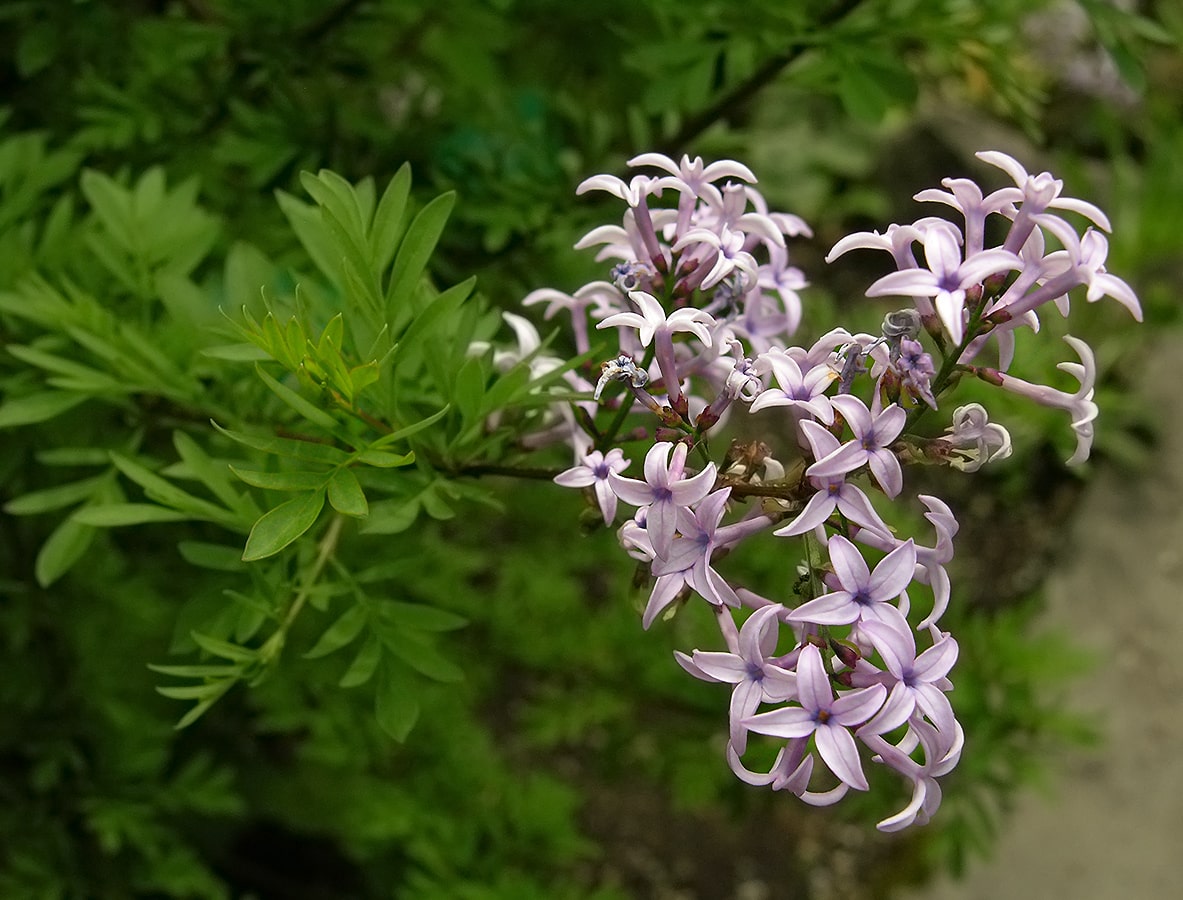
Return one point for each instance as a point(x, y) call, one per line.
point(704, 305)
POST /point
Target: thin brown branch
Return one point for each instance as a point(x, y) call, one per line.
point(756, 82)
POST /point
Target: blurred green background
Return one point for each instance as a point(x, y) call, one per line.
point(574, 759)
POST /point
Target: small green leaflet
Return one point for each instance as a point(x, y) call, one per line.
point(282, 525)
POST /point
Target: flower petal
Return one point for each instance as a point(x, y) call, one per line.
point(837, 748)
point(894, 572)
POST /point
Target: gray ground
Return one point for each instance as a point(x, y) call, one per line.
point(1111, 825)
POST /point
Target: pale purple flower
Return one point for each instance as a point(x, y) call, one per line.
point(930, 561)
point(915, 682)
point(827, 719)
point(823, 350)
point(976, 439)
point(872, 437)
point(632, 192)
point(804, 391)
point(947, 277)
point(897, 241)
point(833, 493)
point(861, 594)
point(720, 252)
point(966, 197)
point(1081, 262)
point(600, 296)
point(915, 368)
point(942, 751)
point(664, 491)
point(1040, 192)
point(636, 194)
point(756, 678)
point(690, 174)
point(731, 214)
point(693, 179)
point(701, 535)
point(786, 280)
point(1079, 405)
point(791, 771)
point(616, 242)
point(593, 472)
point(656, 327)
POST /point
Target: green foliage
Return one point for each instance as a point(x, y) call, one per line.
point(250, 410)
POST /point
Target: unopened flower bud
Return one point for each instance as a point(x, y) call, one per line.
point(681, 406)
point(990, 376)
point(706, 420)
point(995, 284)
point(847, 652)
point(670, 435)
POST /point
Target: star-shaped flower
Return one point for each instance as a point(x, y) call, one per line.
point(593, 471)
point(664, 491)
point(655, 327)
point(756, 678)
point(827, 719)
point(947, 277)
point(861, 593)
point(872, 437)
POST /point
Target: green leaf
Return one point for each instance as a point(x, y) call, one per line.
point(112, 204)
point(201, 708)
point(308, 410)
point(283, 525)
point(361, 377)
point(409, 430)
point(118, 515)
point(439, 312)
point(362, 668)
point(346, 495)
point(422, 617)
point(236, 353)
point(356, 272)
point(344, 631)
point(470, 388)
point(38, 407)
point(282, 481)
point(336, 195)
point(223, 649)
point(391, 516)
point(56, 497)
point(332, 337)
point(165, 492)
point(506, 389)
point(434, 503)
point(862, 96)
point(197, 671)
point(419, 655)
point(416, 250)
point(214, 474)
point(309, 226)
point(74, 456)
point(395, 703)
point(190, 691)
point(64, 547)
point(308, 451)
point(217, 557)
point(390, 221)
point(383, 460)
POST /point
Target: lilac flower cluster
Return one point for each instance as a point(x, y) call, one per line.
point(704, 304)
